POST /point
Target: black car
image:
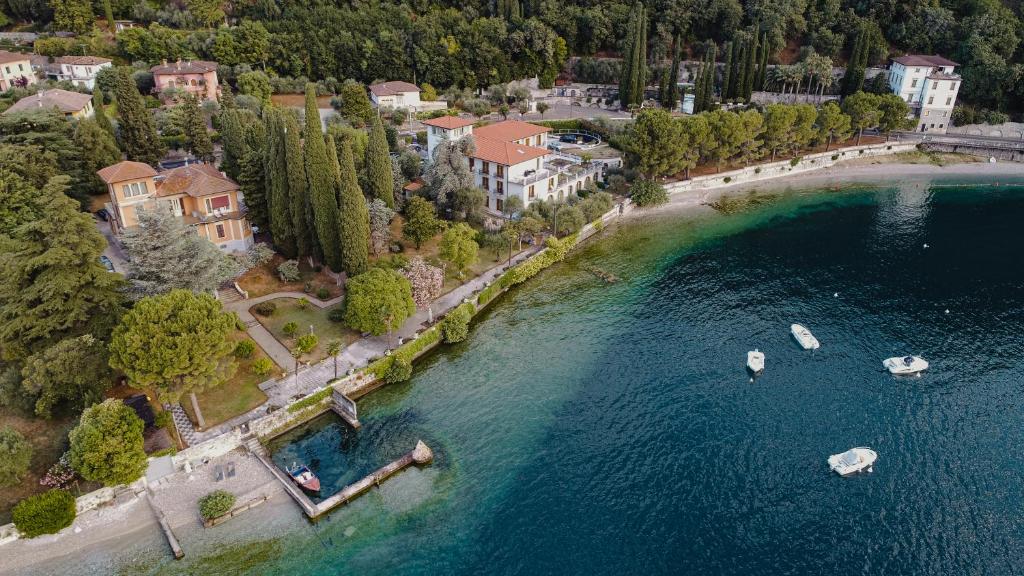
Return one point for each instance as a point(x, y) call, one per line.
point(102, 214)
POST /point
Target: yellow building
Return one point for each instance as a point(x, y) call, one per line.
point(199, 194)
point(15, 70)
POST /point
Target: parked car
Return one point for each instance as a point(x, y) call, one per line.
point(102, 214)
point(107, 263)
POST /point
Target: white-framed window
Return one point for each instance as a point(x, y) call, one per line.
point(949, 101)
point(913, 83)
point(134, 189)
point(935, 84)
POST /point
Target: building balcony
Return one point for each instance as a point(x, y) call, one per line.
point(531, 177)
point(197, 217)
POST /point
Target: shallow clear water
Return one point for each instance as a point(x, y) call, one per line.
point(601, 428)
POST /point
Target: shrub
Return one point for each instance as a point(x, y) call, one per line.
point(261, 366)
point(757, 170)
point(727, 179)
point(290, 328)
point(315, 398)
point(15, 455)
point(289, 271)
point(244, 349)
point(302, 303)
point(323, 293)
point(455, 326)
point(400, 371)
point(162, 419)
point(307, 342)
point(46, 513)
point(835, 157)
point(107, 444)
point(795, 161)
point(265, 308)
point(216, 503)
point(648, 193)
point(336, 314)
point(260, 254)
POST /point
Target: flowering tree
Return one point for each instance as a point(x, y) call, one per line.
point(426, 281)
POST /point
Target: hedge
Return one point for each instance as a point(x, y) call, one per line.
point(310, 400)
point(406, 352)
point(216, 503)
point(455, 326)
point(46, 513)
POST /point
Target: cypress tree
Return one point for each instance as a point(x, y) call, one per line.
point(100, 113)
point(108, 13)
point(379, 178)
point(727, 92)
point(354, 224)
point(298, 197)
point(709, 82)
point(232, 137)
point(748, 69)
point(227, 98)
point(252, 176)
point(139, 138)
point(321, 183)
point(197, 139)
point(853, 80)
point(625, 80)
point(673, 77)
point(735, 80)
point(762, 71)
point(276, 166)
point(640, 59)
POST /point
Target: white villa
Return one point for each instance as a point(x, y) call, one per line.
point(395, 94)
point(929, 86)
point(512, 159)
point(81, 70)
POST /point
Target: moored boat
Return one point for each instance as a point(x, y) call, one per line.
point(905, 365)
point(804, 337)
point(852, 461)
point(755, 361)
point(305, 478)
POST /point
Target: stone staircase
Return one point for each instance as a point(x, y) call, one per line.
point(186, 431)
point(228, 294)
point(254, 447)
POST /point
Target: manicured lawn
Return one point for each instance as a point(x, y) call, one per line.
point(288, 310)
point(236, 396)
point(264, 280)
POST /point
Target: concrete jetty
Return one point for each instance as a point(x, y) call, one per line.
point(421, 455)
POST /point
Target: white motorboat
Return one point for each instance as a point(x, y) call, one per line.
point(905, 365)
point(804, 337)
point(852, 461)
point(755, 361)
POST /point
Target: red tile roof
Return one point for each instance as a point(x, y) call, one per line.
point(413, 186)
point(506, 153)
point(392, 88)
point(924, 60)
point(509, 131)
point(187, 67)
point(126, 170)
point(448, 122)
point(8, 57)
point(63, 100)
point(82, 60)
point(196, 180)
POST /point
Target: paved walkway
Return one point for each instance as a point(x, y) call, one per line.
point(354, 356)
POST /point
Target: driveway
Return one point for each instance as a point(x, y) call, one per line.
point(114, 250)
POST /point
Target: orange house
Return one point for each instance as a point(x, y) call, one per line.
point(197, 77)
point(204, 198)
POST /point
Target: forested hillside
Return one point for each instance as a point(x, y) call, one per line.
point(476, 43)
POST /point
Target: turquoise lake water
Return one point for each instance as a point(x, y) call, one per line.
point(595, 428)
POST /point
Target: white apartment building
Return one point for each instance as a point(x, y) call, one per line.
point(929, 85)
point(512, 159)
point(15, 70)
point(81, 70)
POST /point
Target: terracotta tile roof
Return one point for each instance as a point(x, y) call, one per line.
point(186, 67)
point(82, 60)
point(8, 57)
point(126, 170)
point(509, 131)
point(506, 153)
point(196, 180)
point(924, 60)
point(393, 88)
point(63, 100)
point(413, 186)
point(448, 122)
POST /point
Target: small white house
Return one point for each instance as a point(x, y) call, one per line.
point(81, 70)
point(15, 70)
point(395, 94)
point(930, 86)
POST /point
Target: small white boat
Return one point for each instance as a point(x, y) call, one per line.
point(905, 365)
point(804, 337)
point(852, 461)
point(755, 361)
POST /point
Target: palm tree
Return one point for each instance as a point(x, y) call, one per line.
point(333, 349)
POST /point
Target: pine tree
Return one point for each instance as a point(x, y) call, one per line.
point(99, 112)
point(673, 78)
point(197, 139)
point(276, 166)
point(379, 179)
point(322, 195)
point(354, 224)
point(139, 138)
point(252, 176)
point(727, 77)
point(298, 196)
